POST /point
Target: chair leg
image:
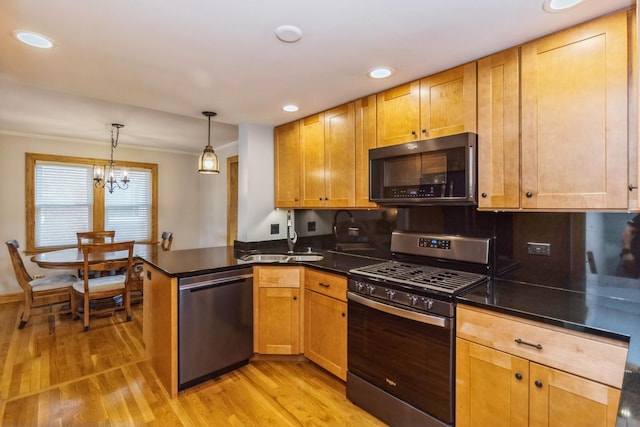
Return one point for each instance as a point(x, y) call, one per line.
point(73, 301)
point(127, 304)
point(27, 311)
point(86, 312)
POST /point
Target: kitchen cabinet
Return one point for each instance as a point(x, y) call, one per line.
point(325, 321)
point(327, 158)
point(438, 105)
point(512, 371)
point(499, 130)
point(365, 112)
point(287, 165)
point(277, 310)
point(574, 146)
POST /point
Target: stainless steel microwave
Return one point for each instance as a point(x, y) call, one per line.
point(437, 171)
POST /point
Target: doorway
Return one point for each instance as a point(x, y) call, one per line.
point(232, 199)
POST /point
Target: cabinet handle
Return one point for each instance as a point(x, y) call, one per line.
point(538, 383)
point(632, 187)
point(424, 131)
point(519, 341)
point(484, 194)
point(344, 314)
point(529, 194)
point(295, 298)
point(518, 376)
point(324, 285)
point(413, 132)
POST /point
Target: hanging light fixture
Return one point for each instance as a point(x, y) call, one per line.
point(208, 162)
point(106, 177)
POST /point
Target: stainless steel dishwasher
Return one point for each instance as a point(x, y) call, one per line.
point(215, 324)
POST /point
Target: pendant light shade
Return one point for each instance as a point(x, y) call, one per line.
point(208, 162)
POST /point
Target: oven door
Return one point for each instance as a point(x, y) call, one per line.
point(405, 353)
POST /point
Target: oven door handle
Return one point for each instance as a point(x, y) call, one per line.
point(428, 319)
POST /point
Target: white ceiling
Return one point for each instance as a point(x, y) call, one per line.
point(156, 65)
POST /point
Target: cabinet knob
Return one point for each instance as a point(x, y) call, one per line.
point(295, 298)
point(538, 383)
point(484, 194)
point(529, 194)
point(424, 131)
point(344, 314)
point(518, 376)
point(413, 132)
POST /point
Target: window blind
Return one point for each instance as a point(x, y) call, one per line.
point(128, 212)
point(63, 202)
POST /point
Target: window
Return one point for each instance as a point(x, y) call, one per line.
point(62, 200)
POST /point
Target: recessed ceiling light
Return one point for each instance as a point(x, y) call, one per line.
point(554, 6)
point(290, 108)
point(288, 33)
point(33, 39)
point(380, 72)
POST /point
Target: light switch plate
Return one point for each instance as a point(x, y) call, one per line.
point(275, 228)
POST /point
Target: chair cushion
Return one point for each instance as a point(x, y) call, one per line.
point(53, 282)
point(101, 284)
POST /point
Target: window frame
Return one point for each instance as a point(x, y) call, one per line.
point(98, 195)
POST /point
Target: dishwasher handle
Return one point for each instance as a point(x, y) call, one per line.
point(202, 286)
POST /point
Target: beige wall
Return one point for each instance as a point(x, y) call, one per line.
point(188, 203)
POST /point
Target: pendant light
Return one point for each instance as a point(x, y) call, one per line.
point(208, 162)
point(105, 177)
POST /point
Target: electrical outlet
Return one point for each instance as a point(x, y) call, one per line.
point(542, 249)
point(311, 226)
point(275, 228)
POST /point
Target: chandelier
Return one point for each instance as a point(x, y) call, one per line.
point(106, 177)
point(208, 162)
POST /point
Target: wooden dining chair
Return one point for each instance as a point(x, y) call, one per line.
point(90, 237)
point(42, 292)
point(167, 241)
point(97, 259)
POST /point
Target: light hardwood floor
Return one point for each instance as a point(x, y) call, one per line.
point(53, 374)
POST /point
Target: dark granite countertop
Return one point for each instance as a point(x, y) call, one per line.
point(195, 262)
point(609, 307)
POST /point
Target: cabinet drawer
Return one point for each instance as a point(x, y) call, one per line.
point(332, 285)
point(592, 357)
point(288, 277)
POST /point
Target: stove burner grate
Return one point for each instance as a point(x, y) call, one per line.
point(439, 279)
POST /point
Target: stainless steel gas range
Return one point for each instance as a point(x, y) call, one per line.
point(401, 326)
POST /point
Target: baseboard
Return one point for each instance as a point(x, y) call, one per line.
point(7, 298)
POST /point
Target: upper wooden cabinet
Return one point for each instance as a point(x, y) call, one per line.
point(438, 105)
point(448, 102)
point(327, 158)
point(287, 165)
point(499, 131)
point(365, 110)
point(575, 119)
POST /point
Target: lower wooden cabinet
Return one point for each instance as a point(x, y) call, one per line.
point(277, 310)
point(498, 388)
point(325, 319)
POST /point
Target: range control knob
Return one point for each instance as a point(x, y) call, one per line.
point(371, 289)
point(391, 294)
point(413, 300)
point(428, 304)
point(360, 286)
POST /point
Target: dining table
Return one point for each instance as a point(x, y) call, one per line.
point(73, 258)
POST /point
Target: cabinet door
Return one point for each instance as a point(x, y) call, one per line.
point(365, 140)
point(312, 160)
point(398, 111)
point(287, 165)
point(326, 333)
point(499, 131)
point(448, 102)
point(340, 152)
point(278, 321)
point(561, 399)
point(491, 387)
point(574, 117)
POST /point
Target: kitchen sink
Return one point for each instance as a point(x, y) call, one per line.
point(294, 257)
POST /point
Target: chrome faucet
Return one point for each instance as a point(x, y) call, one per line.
point(335, 221)
point(291, 240)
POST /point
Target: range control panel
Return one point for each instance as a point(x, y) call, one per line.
point(434, 243)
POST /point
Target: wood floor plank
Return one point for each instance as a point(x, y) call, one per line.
point(53, 374)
